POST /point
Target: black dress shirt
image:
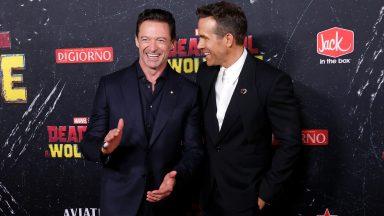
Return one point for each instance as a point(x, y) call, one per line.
point(150, 101)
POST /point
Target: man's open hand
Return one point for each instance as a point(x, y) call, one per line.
point(165, 189)
point(113, 138)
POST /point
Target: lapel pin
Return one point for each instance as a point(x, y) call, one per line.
point(171, 92)
point(243, 91)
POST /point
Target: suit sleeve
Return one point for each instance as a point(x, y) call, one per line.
point(192, 142)
point(97, 127)
point(283, 114)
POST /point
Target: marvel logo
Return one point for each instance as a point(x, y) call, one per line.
point(80, 120)
point(335, 42)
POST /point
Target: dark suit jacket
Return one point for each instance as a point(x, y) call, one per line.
point(240, 160)
point(138, 164)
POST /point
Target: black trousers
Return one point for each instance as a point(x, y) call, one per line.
point(215, 206)
point(146, 208)
point(160, 209)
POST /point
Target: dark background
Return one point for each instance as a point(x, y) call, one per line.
point(346, 176)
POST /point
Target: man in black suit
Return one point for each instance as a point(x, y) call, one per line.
point(244, 101)
point(145, 128)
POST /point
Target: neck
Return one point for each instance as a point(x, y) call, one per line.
point(152, 73)
point(233, 55)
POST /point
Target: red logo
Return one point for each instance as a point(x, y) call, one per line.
point(314, 137)
point(326, 213)
point(80, 120)
point(310, 137)
point(335, 42)
point(84, 55)
point(5, 41)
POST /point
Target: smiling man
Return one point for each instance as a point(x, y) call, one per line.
point(244, 101)
point(144, 128)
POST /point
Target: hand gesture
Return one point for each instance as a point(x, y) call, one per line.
point(165, 189)
point(113, 138)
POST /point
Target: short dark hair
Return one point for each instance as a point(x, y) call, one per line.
point(230, 18)
point(157, 15)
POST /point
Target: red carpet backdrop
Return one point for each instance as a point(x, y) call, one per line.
point(54, 52)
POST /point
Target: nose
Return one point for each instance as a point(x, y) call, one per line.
point(152, 46)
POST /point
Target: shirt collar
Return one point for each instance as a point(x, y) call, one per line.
point(141, 75)
point(232, 73)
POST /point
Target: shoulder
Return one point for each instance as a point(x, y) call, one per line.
point(123, 73)
point(265, 69)
point(182, 81)
point(187, 90)
point(264, 73)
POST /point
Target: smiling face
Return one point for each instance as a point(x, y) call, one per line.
point(212, 45)
point(154, 43)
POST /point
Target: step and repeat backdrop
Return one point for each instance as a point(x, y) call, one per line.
point(53, 54)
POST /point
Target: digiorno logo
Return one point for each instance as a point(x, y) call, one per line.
point(335, 42)
point(318, 137)
point(312, 137)
point(64, 140)
point(84, 55)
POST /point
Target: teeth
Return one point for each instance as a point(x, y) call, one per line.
point(152, 55)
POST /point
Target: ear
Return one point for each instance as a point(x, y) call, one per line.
point(173, 42)
point(230, 40)
point(137, 42)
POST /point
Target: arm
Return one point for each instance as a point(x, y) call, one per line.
point(98, 126)
point(283, 114)
point(98, 142)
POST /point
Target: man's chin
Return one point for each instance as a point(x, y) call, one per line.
point(155, 65)
point(152, 64)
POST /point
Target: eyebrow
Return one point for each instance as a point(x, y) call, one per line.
point(165, 38)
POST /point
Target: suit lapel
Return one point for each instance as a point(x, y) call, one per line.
point(207, 82)
point(241, 98)
point(171, 92)
point(209, 102)
point(212, 126)
point(132, 103)
point(249, 102)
